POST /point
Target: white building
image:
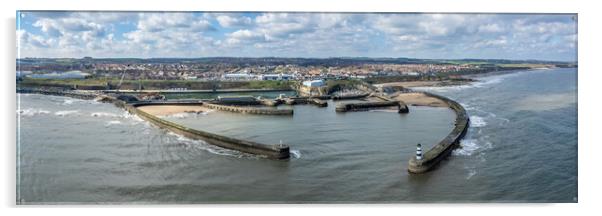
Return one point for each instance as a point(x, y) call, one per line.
point(313, 83)
point(276, 77)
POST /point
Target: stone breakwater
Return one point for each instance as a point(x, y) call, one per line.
point(249, 110)
point(346, 107)
point(434, 155)
point(277, 151)
point(350, 97)
point(306, 100)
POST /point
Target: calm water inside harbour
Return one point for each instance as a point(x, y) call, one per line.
point(521, 147)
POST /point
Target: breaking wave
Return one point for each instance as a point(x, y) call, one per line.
point(65, 112)
point(295, 154)
point(202, 145)
point(477, 121)
point(32, 112)
point(469, 147)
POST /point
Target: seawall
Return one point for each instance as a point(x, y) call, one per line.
point(444, 148)
point(271, 151)
point(346, 107)
point(350, 97)
point(249, 110)
point(318, 101)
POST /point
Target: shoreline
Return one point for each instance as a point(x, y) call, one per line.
point(446, 83)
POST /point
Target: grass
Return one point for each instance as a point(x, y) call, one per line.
point(255, 84)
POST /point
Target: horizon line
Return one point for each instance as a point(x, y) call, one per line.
point(331, 57)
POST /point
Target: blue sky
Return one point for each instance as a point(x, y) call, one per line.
point(198, 34)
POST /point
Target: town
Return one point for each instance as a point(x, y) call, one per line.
point(246, 69)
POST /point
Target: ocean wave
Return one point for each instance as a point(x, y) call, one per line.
point(32, 112)
point(477, 121)
point(65, 112)
point(468, 147)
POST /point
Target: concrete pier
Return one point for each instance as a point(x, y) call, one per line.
point(249, 110)
point(277, 151)
point(350, 97)
point(346, 107)
point(434, 155)
point(318, 101)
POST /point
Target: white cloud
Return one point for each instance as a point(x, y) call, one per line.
point(298, 34)
point(153, 22)
point(230, 21)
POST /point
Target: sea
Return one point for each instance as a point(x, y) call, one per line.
point(521, 146)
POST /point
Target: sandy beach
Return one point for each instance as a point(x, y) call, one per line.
point(419, 99)
point(172, 109)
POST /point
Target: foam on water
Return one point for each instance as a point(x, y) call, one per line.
point(104, 114)
point(202, 145)
point(114, 122)
point(31, 112)
point(65, 112)
point(469, 147)
point(477, 121)
point(295, 154)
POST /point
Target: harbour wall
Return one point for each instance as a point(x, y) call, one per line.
point(249, 110)
point(349, 97)
point(444, 148)
point(276, 151)
point(306, 100)
point(346, 107)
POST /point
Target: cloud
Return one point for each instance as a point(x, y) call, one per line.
point(169, 34)
point(154, 22)
point(27, 39)
point(231, 21)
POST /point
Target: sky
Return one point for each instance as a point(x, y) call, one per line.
point(309, 35)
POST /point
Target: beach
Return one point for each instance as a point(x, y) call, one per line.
point(419, 99)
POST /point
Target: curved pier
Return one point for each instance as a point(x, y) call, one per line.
point(278, 151)
point(424, 163)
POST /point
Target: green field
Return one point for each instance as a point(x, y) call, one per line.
point(159, 84)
